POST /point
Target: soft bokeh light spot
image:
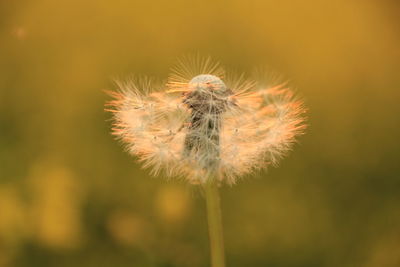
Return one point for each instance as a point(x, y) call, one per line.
point(173, 203)
point(13, 214)
point(55, 206)
point(127, 228)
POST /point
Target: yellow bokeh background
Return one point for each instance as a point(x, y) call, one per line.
point(70, 195)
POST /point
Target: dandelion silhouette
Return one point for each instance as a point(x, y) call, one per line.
point(206, 127)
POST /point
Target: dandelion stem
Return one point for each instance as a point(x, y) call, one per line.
point(214, 225)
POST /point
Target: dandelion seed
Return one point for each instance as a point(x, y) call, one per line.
point(208, 128)
point(201, 125)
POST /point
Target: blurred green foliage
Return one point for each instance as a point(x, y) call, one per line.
point(70, 196)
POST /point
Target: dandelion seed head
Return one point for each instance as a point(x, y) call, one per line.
point(203, 125)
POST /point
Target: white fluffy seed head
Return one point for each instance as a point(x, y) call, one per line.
point(200, 127)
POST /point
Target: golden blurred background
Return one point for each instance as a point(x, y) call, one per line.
point(70, 196)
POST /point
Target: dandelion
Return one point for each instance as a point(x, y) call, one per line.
point(207, 127)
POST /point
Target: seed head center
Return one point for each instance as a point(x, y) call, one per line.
point(207, 82)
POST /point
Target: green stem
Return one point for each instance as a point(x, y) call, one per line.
point(214, 225)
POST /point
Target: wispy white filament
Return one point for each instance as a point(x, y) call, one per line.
point(201, 126)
